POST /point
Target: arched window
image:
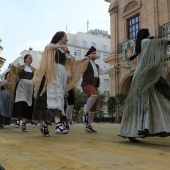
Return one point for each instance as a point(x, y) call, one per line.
point(133, 25)
point(131, 14)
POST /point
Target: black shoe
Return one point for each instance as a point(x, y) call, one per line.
point(34, 123)
point(1, 127)
point(60, 129)
point(17, 123)
point(133, 140)
point(44, 130)
point(65, 124)
point(90, 129)
point(23, 128)
point(71, 122)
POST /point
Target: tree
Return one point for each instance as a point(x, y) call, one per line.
point(101, 101)
point(112, 105)
point(79, 102)
point(120, 101)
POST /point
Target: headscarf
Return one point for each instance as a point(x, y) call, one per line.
point(142, 34)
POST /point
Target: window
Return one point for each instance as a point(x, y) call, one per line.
point(77, 53)
point(104, 47)
point(106, 82)
point(94, 44)
point(133, 27)
point(84, 44)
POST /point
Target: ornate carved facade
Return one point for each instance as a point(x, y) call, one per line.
point(126, 18)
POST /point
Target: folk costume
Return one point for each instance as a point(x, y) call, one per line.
point(147, 107)
point(6, 103)
point(50, 82)
point(90, 84)
point(23, 93)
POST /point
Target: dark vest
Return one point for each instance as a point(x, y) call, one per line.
point(60, 57)
point(26, 75)
point(88, 78)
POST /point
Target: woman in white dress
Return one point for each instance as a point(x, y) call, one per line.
point(147, 107)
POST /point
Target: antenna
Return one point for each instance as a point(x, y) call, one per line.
point(66, 29)
point(87, 25)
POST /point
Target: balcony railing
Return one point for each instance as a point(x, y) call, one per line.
point(164, 31)
point(122, 45)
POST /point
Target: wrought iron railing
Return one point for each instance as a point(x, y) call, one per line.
point(164, 31)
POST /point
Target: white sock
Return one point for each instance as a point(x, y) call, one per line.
point(90, 117)
point(69, 111)
point(90, 102)
point(57, 119)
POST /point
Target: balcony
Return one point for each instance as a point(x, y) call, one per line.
point(164, 31)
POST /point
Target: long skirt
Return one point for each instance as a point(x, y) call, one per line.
point(23, 105)
point(51, 102)
point(149, 119)
point(6, 104)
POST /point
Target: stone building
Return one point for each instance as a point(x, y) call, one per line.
point(126, 18)
point(2, 60)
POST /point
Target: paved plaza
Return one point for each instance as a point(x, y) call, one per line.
point(80, 150)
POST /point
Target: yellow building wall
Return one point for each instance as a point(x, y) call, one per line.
point(153, 13)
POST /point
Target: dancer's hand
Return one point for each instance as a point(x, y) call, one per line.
point(118, 66)
point(64, 48)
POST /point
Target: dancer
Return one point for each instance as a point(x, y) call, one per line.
point(23, 95)
point(147, 107)
point(90, 84)
point(50, 82)
point(6, 103)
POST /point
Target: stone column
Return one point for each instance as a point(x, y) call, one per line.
point(113, 9)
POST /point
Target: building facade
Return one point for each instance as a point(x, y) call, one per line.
point(126, 18)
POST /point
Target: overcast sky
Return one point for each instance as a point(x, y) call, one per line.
point(32, 23)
